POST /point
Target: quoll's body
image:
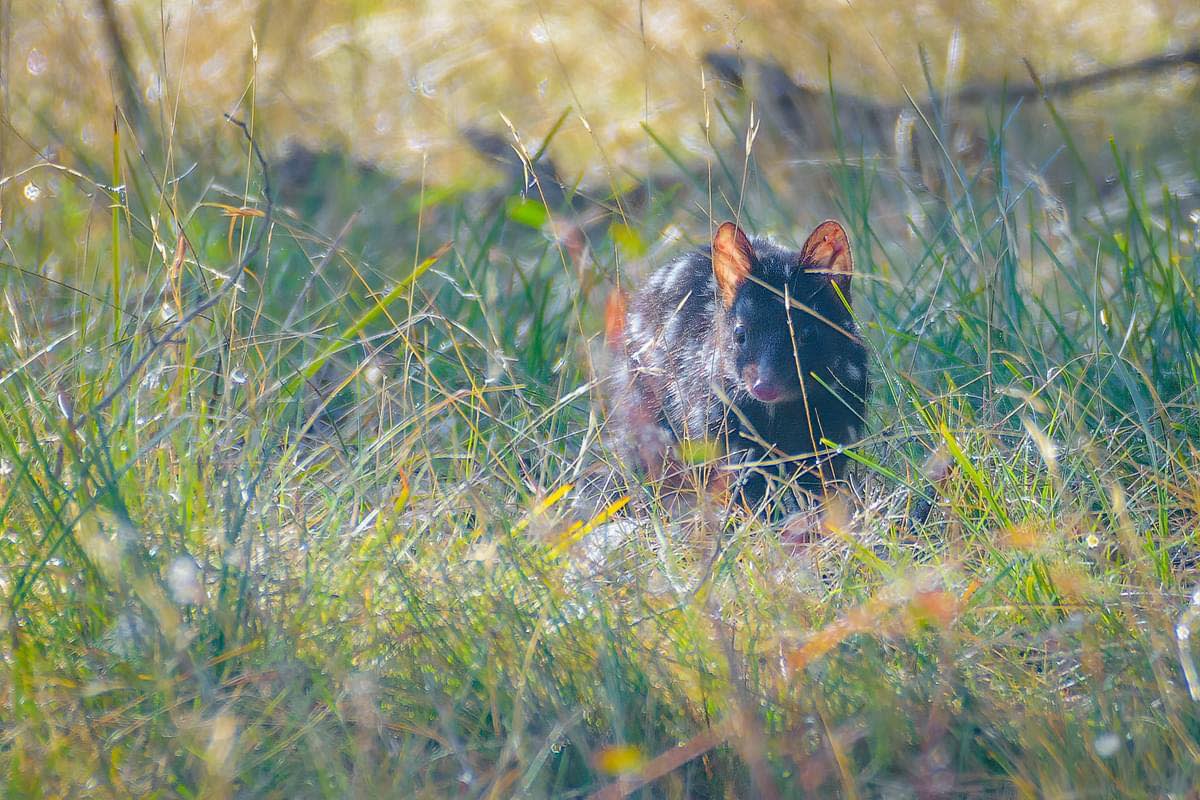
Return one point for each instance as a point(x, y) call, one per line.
point(749, 345)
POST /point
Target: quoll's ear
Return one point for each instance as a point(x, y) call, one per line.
point(614, 318)
point(732, 256)
point(828, 251)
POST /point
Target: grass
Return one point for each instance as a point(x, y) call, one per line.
point(307, 533)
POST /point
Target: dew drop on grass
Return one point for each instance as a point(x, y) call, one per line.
point(183, 578)
point(32, 192)
point(36, 62)
point(1107, 745)
point(6, 467)
point(238, 375)
point(1183, 632)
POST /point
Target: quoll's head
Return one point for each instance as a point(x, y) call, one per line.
point(787, 312)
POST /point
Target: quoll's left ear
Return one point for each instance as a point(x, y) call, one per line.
point(732, 260)
point(828, 251)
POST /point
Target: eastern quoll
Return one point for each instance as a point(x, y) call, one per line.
point(747, 345)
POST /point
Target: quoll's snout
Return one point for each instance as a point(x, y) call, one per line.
point(765, 391)
point(764, 384)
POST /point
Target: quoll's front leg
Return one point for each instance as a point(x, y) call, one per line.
point(786, 491)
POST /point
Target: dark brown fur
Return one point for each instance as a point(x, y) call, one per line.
point(709, 350)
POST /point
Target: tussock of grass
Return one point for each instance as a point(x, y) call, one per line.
point(318, 544)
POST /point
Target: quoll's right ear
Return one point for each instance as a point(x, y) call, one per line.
point(828, 251)
point(732, 256)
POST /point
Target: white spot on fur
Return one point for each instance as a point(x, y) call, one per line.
point(678, 271)
point(635, 326)
point(672, 333)
point(658, 278)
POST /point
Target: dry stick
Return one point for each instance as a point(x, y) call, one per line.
point(216, 296)
point(982, 92)
point(665, 763)
point(979, 93)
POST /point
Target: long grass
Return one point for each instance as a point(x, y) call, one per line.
point(320, 540)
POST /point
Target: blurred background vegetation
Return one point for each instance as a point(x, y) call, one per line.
point(298, 308)
point(393, 84)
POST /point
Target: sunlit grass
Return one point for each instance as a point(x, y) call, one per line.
point(325, 539)
point(395, 83)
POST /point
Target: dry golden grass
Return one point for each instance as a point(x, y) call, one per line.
point(392, 83)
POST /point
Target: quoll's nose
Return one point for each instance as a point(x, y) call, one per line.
point(765, 391)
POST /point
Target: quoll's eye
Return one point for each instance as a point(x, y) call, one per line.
point(739, 334)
